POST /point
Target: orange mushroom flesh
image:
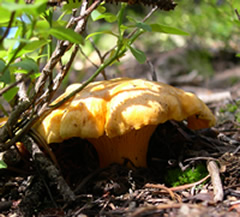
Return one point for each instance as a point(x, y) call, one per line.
point(131, 146)
point(119, 116)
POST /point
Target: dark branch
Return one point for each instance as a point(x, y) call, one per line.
point(238, 15)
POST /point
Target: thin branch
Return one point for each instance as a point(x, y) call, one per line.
point(22, 79)
point(88, 59)
point(152, 70)
point(134, 31)
point(61, 48)
point(144, 20)
point(9, 126)
point(22, 92)
point(100, 57)
point(79, 29)
point(96, 49)
point(60, 76)
point(21, 45)
point(97, 72)
point(237, 13)
point(8, 27)
point(65, 69)
point(93, 6)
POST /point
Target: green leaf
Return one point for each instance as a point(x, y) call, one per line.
point(131, 19)
point(3, 53)
point(5, 77)
point(42, 25)
point(101, 9)
point(2, 84)
point(66, 34)
point(71, 4)
point(4, 16)
point(35, 9)
point(40, 56)
point(138, 54)
point(120, 14)
point(2, 65)
point(238, 55)
point(34, 45)
point(123, 27)
point(21, 71)
point(10, 94)
point(26, 64)
point(3, 165)
point(144, 26)
point(35, 75)
point(109, 17)
point(95, 14)
point(167, 29)
point(42, 29)
point(100, 33)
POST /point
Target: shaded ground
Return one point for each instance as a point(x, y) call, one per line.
point(119, 191)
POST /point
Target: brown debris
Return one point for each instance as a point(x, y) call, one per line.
point(120, 191)
point(230, 167)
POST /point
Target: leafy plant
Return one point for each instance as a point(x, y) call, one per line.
point(176, 177)
point(3, 165)
point(208, 22)
point(39, 45)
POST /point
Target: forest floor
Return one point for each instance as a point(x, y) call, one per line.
point(190, 173)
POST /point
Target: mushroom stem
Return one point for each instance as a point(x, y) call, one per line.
point(132, 146)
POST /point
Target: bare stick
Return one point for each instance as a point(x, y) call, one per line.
point(216, 181)
point(8, 27)
point(238, 15)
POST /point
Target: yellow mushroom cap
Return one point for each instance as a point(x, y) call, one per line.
point(119, 111)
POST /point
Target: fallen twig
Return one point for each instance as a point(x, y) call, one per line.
point(216, 181)
point(177, 188)
point(162, 187)
point(183, 187)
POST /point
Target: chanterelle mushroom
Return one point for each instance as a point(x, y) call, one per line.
point(119, 116)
